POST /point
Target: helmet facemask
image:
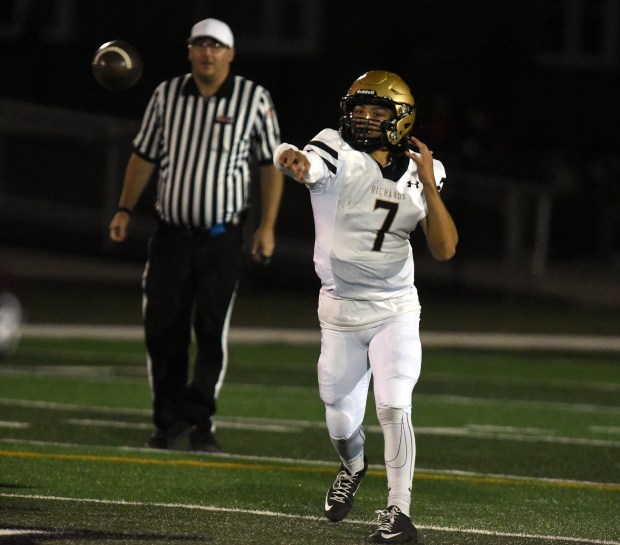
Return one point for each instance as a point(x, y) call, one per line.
point(364, 133)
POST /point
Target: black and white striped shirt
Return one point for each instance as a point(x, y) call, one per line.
point(204, 147)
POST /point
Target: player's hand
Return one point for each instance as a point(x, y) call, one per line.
point(294, 164)
point(424, 161)
point(118, 227)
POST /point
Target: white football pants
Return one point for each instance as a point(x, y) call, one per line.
point(390, 352)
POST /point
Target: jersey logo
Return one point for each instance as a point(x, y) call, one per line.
point(225, 119)
point(417, 184)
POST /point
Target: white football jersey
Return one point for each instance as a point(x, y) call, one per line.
point(362, 253)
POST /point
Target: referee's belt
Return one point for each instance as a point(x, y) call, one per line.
point(211, 232)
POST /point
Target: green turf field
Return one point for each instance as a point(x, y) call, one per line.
point(513, 448)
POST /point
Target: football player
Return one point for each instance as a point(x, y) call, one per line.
point(371, 183)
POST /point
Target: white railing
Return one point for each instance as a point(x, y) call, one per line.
point(34, 125)
point(31, 127)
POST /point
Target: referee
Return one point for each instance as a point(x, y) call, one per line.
point(200, 131)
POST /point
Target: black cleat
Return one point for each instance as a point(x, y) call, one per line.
point(165, 439)
point(340, 496)
point(202, 439)
point(394, 527)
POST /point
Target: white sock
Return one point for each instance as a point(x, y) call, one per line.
point(356, 464)
point(351, 450)
point(399, 454)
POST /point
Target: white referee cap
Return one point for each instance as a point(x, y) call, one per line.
point(213, 28)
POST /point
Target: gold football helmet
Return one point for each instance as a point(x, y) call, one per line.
point(378, 88)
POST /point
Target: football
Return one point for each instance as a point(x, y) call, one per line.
point(117, 65)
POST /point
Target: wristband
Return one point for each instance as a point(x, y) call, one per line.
point(124, 209)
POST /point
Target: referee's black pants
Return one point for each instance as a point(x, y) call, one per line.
point(189, 277)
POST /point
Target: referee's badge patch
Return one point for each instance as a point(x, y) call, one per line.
point(226, 120)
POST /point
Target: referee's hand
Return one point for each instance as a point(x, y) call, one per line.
point(118, 227)
point(263, 245)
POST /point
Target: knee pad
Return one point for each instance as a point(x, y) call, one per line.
point(343, 418)
point(339, 421)
point(391, 415)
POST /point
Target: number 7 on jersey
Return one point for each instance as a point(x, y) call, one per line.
point(391, 207)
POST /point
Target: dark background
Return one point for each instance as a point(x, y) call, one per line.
point(515, 97)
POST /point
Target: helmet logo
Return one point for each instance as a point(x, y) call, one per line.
point(366, 92)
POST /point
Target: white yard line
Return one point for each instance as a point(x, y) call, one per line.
point(138, 371)
point(275, 514)
point(556, 440)
point(289, 426)
point(466, 401)
point(321, 463)
point(275, 428)
point(14, 425)
point(442, 339)
point(11, 532)
point(605, 429)
point(52, 405)
point(519, 403)
point(469, 431)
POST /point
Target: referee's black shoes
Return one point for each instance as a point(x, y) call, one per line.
point(165, 439)
point(202, 439)
point(340, 496)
